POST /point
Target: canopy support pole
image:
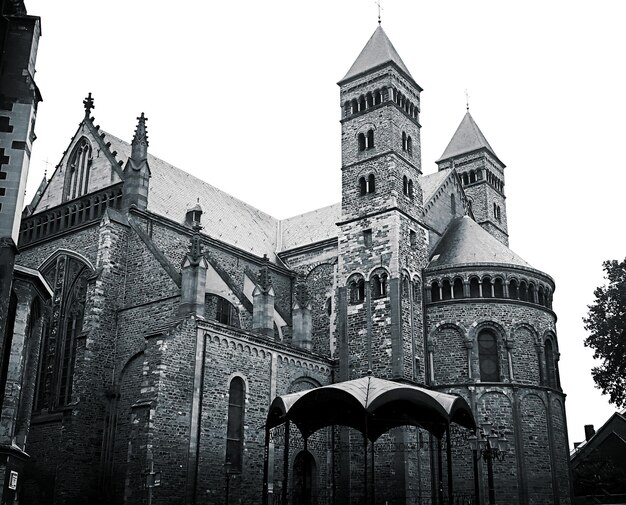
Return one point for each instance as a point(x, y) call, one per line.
point(449, 461)
point(439, 473)
point(286, 463)
point(266, 458)
point(373, 477)
point(365, 486)
point(306, 498)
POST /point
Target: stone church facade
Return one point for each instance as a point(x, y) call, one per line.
point(179, 312)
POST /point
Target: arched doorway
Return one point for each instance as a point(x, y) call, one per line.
point(304, 479)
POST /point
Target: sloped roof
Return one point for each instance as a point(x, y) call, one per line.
point(466, 242)
point(467, 138)
point(431, 182)
point(172, 191)
point(310, 227)
point(377, 51)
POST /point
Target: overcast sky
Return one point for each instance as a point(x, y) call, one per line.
point(243, 95)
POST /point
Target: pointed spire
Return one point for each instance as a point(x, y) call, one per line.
point(88, 104)
point(378, 51)
point(467, 138)
point(140, 140)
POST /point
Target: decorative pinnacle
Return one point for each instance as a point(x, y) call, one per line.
point(302, 293)
point(88, 104)
point(265, 280)
point(140, 140)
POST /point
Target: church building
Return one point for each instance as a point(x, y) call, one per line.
point(178, 313)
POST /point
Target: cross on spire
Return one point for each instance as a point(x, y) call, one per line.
point(88, 103)
point(377, 2)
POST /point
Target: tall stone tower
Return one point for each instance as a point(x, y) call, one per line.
point(381, 240)
point(482, 174)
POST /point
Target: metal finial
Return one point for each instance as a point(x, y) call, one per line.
point(466, 100)
point(88, 104)
point(377, 2)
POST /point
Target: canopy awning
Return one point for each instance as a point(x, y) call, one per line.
point(372, 406)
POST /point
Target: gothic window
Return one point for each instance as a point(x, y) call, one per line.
point(474, 287)
point(370, 139)
point(362, 186)
point(361, 140)
point(409, 146)
point(61, 327)
point(488, 357)
point(371, 184)
point(77, 171)
point(234, 430)
point(513, 290)
point(446, 290)
point(457, 288)
point(403, 141)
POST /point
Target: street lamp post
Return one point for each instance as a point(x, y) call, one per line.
point(488, 445)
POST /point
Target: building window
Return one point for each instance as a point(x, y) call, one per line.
point(403, 141)
point(446, 290)
point(362, 186)
point(435, 293)
point(60, 329)
point(405, 185)
point(409, 146)
point(412, 238)
point(488, 357)
point(371, 184)
point(457, 288)
point(77, 171)
point(474, 288)
point(411, 189)
point(367, 238)
point(379, 285)
point(361, 141)
point(234, 430)
point(370, 139)
point(356, 290)
point(221, 310)
point(551, 380)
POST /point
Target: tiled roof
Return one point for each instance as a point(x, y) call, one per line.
point(466, 242)
point(431, 182)
point(172, 191)
point(467, 138)
point(377, 51)
point(310, 227)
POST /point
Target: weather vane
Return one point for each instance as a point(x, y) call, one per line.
point(377, 2)
point(466, 100)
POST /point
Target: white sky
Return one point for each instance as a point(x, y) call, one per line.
point(243, 95)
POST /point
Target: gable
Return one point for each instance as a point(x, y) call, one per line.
point(86, 166)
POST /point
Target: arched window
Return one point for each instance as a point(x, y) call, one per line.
point(377, 97)
point(361, 103)
point(403, 141)
point(411, 189)
point(361, 141)
point(523, 291)
point(495, 210)
point(371, 184)
point(531, 293)
point(498, 288)
point(234, 430)
point(540, 296)
point(370, 139)
point(77, 173)
point(355, 106)
point(379, 285)
point(356, 289)
point(498, 216)
point(405, 185)
point(465, 180)
point(362, 186)
point(435, 294)
point(60, 329)
point(446, 290)
point(551, 380)
point(329, 306)
point(513, 291)
point(409, 145)
point(488, 357)
point(347, 109)
point(369, 98)
point(474, 287)
point(221, 310)
point(457, 289)
point(487, 287)
point(472, 176)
